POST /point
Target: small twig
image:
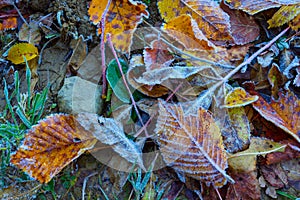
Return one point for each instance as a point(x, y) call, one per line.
point(238, 68)
point(125, 82)
point(20, 14)
point(102, 49)
point(84, 183)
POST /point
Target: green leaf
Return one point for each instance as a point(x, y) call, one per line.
point(114, 78)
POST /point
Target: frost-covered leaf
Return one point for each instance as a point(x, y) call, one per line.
point(192, 144)
point(111, 133)
point(210, 18)
point(295, 23)
point(238, 97)
point(284, 15)
point(52, 144)
point(122, 18)
point(251, 6)
point(186, 31)
point(286, 2)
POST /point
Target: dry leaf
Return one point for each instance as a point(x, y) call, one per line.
point(286, 2)
point(284, 113)
point(31, 33)
point(244, 28)
point(111, 133)
point(186, 31)
point(210, 18)
point(157, 55)
point(295, 23)
point(284, 15)
point(121, 21)
point(238, 97)
point(51, 145)
point(17, 53)
point(9, 23)
point(251, 6)
point(276, 80)
point(192, 144)
point(79, 47)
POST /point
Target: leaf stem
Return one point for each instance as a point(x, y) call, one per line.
point(125, 83)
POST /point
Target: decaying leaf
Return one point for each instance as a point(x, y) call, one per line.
point(192, 144)
point(295, 23)
point(79, 47)
point(276, 79)
point(30, 33)
point(284, 112)
point(284, 15)
point(245, 161)
point(122, 19)
point(9, 23)
point(111, 133)
point(286, 2)
point(210, 18)
point(51, 145)
point(186, 31)
point(252, 6)
point(238, 97)
point(17, 53)
point(157, 56)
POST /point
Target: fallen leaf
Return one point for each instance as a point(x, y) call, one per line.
point(186, 31)
point(245, 161)
point(17, 53)
point(286, 2)
point(244, 28)
point(157, 55)
point(284, 113)
point(284, 15)
point(192, 144)
point(9, 23)
point(30, 33)
point(79, 47)
point(210, 18)
point(111, 133)
point(276, 80)
point(251, 6)
point(246, 186)
point(51, 145)
point(295, 23)
point(122, 18)
point(238, 97)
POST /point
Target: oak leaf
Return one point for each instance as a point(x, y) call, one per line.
point(192, 144)
point(122, 18)
point(51, 145)
point(210, 18)
point(284, 15)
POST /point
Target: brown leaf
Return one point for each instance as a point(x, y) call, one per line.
point(31, 33)
point(51, 145)
point(276, 79)
point(192, 144)
point(157, 55)
point(295, 23)
point(251, 6)
point(79, 47)
point(211, 19)
point(122, 19)
point(244, 28)
point(284, 113)
point(245, 187)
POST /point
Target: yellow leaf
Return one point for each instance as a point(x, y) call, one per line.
point(122, 19)
point(295, 23)
point(284, 15)
point(17, 53)
point(238, 97)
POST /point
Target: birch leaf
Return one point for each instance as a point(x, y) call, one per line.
point(192, 144)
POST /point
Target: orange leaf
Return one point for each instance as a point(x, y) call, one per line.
point(121, 21)
point(284, 113)
point(211, 19)
point(186, 31)
point(192, 144)
point(295, 23)
point(51, 145)
point(17, 53)
point(251, 6)
point(9, 23)
point(238, 97)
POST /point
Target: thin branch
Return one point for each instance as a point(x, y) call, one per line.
point(125, 82)
point(102, 49)
point(20, 14)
